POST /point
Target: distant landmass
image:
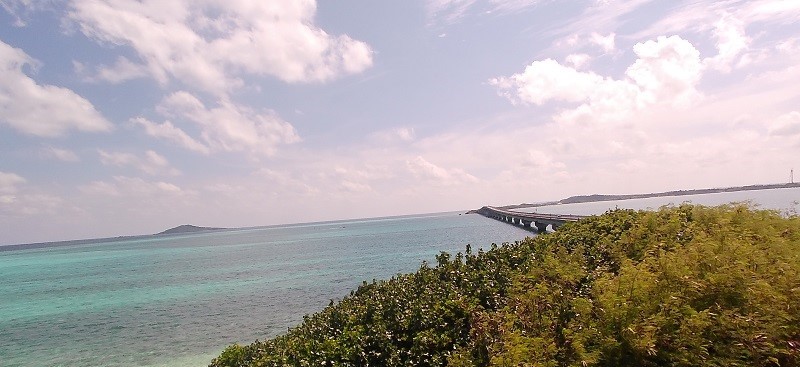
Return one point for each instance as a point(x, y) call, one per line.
point(188, 228)
point(598, 197)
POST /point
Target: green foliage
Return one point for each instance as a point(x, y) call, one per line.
point(681, 286)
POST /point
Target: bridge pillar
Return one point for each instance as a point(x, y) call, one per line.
point(526, 223)
point(540, 227)
point(515, 221)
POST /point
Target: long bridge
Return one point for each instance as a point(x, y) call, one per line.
point(540, 221)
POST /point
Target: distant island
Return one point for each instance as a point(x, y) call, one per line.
point(182, 229)
point(598, 197)
point(188, 228)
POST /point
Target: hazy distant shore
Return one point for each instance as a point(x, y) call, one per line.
point(188, 229)
point(598, 197)
point(182, 229)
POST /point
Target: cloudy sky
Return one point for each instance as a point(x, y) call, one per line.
point(121, 117)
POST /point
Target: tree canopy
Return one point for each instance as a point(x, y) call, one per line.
point(681, 286)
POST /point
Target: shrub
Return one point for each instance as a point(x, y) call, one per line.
point(687, 285)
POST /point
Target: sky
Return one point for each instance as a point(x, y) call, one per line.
point(126, 117)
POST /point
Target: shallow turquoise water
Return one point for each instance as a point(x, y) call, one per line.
point(178, 301)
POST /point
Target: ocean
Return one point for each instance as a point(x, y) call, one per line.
point(179, 300)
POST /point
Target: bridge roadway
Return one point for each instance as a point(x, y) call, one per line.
point(540, 221)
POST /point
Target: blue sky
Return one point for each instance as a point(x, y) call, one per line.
point(121, 117)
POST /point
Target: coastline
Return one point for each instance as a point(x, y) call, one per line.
point(190, 229)
point(600, 197)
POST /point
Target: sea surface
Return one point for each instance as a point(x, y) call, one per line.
point(179, 300)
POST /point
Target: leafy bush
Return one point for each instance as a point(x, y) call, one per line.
point(681, 286)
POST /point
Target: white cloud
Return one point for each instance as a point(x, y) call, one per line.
point(168, 131)
point(602, 17)
point(448, 11)
point(578, 61)
point(731, 41)
point(786, 125)
point(134, 187)
point(784, 11)
point(226, 127)
point(65, 155)
point(284, 182)
point(513, 5)
point(726, 20)
point(666, 72)
point(100, 188)
point(423, 169)
point(151, 163)
point(789, 46)
point(568, 41)
point(121, 71)
point(541, 161)
point(7, 200)
point(668, 69)
point(209, 44)
point(359, 175)
point(354, 187)
point(41, 110)
point(404, 134)
point(21, 9)
point(9, 182)
point(545, 80)
point(607, 43)
point(18, 202)
point(453, 11)
point(364, 171)
point(30, 205)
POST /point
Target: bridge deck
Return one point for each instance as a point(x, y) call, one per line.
point(534, 216)
point(540, 221)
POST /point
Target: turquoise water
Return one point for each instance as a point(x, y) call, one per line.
point(178, 301)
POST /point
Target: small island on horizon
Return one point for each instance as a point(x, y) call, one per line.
point(181, 229)
point(187, 228)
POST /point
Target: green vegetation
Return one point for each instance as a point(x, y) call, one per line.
point(683, 286)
